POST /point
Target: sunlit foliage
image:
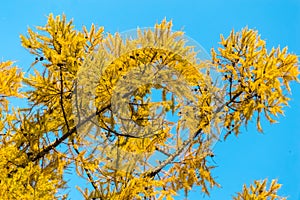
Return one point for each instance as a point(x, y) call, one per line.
point(89, 108)
point(259, 191)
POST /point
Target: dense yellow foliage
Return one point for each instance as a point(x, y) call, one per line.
point(258, 81)
point(76, 115)
point(259, 191)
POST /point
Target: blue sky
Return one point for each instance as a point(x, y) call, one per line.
point(274, 154)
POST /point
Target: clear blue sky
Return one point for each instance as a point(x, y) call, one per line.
point(274, 154)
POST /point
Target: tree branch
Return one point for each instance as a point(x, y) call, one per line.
point(58, 141)
point(156, 170)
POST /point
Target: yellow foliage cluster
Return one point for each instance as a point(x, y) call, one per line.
point(21, 179)
point(259, 191)
point(257, 80)
point(89, 106)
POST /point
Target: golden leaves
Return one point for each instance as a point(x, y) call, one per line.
point(43, 139)
point(31, 133)
point(257, 81)
point(259, 191)
point(130, 69)
point(192, 170)
point(28, 181)
point(10, 82)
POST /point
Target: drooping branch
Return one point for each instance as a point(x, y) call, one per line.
point(91, 180)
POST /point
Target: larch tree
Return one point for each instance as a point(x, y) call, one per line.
point(134, 116)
